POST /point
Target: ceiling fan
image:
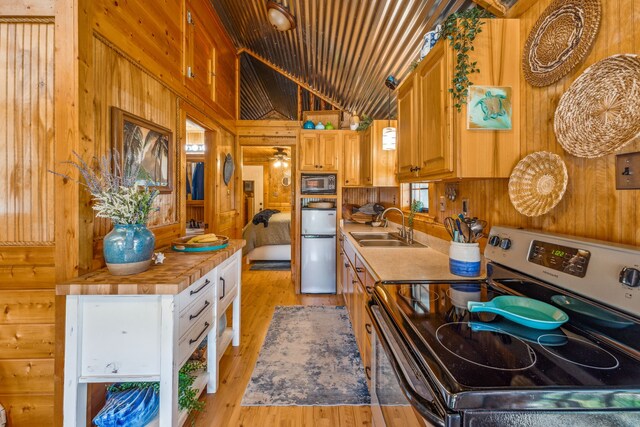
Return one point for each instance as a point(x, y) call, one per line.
point(280, 157)
point(280, 154)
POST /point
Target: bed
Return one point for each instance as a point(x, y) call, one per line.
point(272, 243)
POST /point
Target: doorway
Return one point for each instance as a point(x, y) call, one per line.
point(199, 171)
point(268, 197)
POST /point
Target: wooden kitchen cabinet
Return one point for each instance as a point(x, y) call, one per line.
point(358, 282)
point(433, 139)
point(319, 151)
point(351, 159)
point(378, 166)
point(407, 127)
point(200, 50)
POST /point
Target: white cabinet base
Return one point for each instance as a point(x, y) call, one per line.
point(122, 338)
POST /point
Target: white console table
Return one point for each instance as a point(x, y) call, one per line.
point(144, 327)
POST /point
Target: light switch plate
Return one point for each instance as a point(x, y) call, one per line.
point(443, 204)
point(628, 171)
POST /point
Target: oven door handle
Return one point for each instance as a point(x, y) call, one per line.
point(406, 372)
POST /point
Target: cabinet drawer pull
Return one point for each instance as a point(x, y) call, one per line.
point(346, 264)
point(367, 371)
point(367, 326)
point(223, 287)
point(206, 304)
point(359, 269)
point(206, 282)
point(354, 282)
point(369, 290)
point(206, 325)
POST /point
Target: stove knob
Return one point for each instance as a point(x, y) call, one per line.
point(494, 240)
point(505, 244)
point(630, 277)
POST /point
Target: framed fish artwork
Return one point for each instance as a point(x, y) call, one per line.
point(489, 108)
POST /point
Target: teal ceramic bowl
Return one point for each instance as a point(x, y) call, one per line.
point(201, 249)
point(308, 125)
point(524, 311)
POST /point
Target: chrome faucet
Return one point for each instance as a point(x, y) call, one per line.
point(403, 230)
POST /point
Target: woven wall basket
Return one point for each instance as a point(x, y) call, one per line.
point(537, 183)
point(600, 113)
point(560, 40)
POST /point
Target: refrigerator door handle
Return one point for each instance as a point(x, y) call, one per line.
point(318, 236)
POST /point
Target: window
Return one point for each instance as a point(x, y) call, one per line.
point(419, 191)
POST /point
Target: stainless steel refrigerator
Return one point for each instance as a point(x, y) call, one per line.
point(318, 256)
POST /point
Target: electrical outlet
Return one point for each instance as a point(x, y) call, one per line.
point(628, 171)
point(465, 207)
point(443, 204)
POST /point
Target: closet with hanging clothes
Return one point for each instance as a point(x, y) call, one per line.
point(195, 177)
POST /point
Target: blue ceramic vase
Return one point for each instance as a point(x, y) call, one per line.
point(128, 249)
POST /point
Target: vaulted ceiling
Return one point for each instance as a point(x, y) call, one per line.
point(342, 49)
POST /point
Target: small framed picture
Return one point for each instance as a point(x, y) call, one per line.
point(142, 142)
point(489, 108)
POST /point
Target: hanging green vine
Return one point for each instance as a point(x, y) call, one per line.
point(461, 29)
point(365, 122)
point(187, 395)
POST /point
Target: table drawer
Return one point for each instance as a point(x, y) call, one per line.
point(201, 307)
point(196, 290)
point(193, 337)
point(228, 279)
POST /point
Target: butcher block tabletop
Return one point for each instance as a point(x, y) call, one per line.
point(175, 274)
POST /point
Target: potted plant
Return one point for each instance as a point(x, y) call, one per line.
point(128, 247)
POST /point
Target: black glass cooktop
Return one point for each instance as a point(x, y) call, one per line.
point(463, 351)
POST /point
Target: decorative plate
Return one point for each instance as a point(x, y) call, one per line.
point(227, 169)
point(182, 244)
point(600, 113)
point(560, 40)
point(538, 183)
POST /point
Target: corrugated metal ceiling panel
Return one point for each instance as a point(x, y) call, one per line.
point(343, 49)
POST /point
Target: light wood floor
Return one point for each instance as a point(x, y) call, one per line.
point(262, 291)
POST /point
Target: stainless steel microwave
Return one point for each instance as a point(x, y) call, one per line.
point(318, 183)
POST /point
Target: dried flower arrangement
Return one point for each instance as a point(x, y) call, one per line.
point(116, 194)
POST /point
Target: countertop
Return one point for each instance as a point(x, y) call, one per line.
point(405, 264)
point(175, 274)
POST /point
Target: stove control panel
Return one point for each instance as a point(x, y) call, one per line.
point(561, 258)
point(602, 271)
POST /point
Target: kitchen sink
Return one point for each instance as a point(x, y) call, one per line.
point(373, 236)
point(383, 243)
point(383, 240)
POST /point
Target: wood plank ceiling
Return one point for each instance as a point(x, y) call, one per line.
point(342, 49)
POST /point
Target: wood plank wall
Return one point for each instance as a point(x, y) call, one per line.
point(275, 195)
point(591, 207)
point(119, 83)
point(27, 272)
point(227, 207)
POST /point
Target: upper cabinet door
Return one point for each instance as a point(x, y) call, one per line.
point(200, 52)
point(328, 151)
point(351, 155)
point(366, 156)
point(308, 148)
point(407, 127)
point(436, 145)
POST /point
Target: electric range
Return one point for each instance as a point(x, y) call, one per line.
point(462, 368)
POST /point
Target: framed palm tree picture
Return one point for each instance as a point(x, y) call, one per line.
point(142, 142)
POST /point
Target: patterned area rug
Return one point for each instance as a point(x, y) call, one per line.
point(271, 265)
point(309, 358)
